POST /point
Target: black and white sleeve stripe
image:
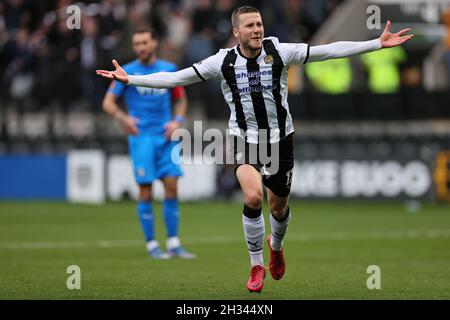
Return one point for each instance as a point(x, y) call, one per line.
point(198, 73)
point(307, 55)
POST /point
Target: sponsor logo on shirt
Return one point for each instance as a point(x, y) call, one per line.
point(268, 59)
point(144, 91)
point(141, 172)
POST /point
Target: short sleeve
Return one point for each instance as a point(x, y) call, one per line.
point(209, 67)
point(177, 93)
point(294, 53)
point(173, 68)
point(117, 88)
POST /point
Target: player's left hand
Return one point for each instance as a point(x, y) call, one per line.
point(170, 128)
point(389, 39)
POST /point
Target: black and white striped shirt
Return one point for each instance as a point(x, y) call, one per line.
point(256, 90)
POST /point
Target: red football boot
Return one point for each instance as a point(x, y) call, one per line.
point(277, 265)
point(256, 281)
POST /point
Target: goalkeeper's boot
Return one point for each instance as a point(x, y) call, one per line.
point(256, 281)
point(277, 264)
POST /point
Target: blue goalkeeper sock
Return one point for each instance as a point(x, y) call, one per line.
point(145, 213)
point(171, 217)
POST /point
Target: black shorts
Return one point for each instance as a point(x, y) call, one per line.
point(274, 161)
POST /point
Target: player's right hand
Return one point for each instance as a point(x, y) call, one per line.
point(129, 125)
point(119, 74)
point(389, 40)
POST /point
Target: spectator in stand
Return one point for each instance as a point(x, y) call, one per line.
point(92, 55)
point(188, 30)
point(446, 20)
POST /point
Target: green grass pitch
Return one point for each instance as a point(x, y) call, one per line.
point(329, 246)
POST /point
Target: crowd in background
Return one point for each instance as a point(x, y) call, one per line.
point(44, 63)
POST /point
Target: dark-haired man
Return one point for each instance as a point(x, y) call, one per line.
point(149, 124)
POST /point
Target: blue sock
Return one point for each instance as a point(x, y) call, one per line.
point(145, 213)
point(171, 217)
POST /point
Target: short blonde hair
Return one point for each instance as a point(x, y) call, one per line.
point(239, 11)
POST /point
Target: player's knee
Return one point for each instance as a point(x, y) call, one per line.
point(145, 194)
point(145, 197)
point(171, 193)
point(278, 210)
point(170, 188)
point(254, 199)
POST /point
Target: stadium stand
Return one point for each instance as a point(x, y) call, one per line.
point(50, 98)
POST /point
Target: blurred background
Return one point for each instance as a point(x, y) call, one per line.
point(375, 126)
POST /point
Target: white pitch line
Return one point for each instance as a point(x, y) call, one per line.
point(297, 237)
point(69, 244)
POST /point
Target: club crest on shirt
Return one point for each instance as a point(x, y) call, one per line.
point(268, 59)
point(141, 172)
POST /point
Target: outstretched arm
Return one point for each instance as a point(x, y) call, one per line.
point(155, 80)
point(343, 49)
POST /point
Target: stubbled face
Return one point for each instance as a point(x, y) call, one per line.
point(144, 45)
point(249, 31)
